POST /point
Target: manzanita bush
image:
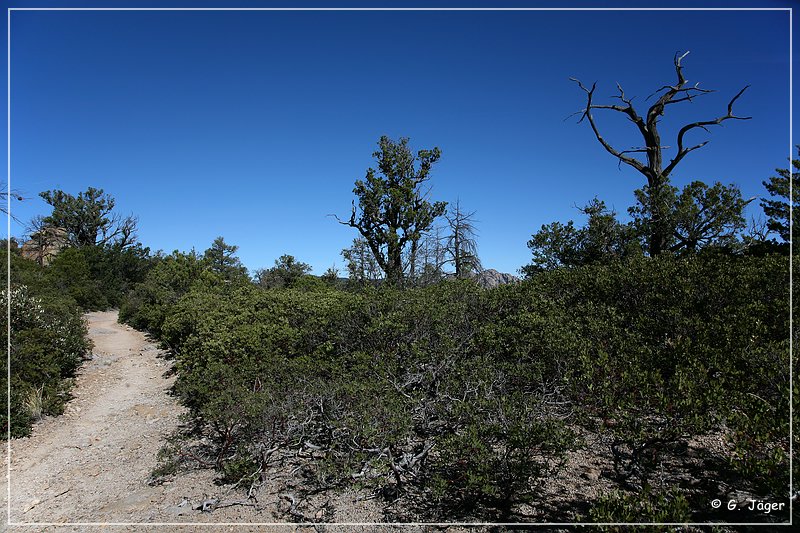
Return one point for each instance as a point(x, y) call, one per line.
point(461, 401)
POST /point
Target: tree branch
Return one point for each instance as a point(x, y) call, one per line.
point(682, 151)
point(587, 113)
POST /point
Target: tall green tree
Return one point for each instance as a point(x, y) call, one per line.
point(286, 272)
point(601, 240)
point(777, 208)
point(699, 217)
point(222, 259)
point(88, 218)
point(393, 210)
point(656, 195)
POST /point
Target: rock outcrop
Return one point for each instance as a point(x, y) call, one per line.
point(45, 244)
point(491, 278)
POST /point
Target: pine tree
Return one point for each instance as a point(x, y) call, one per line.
point(777, 210)
point(222, 259)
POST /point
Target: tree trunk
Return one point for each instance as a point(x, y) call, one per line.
point(394, 265)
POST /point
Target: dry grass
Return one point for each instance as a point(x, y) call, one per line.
point(33, 402)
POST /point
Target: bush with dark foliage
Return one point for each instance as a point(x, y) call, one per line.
point(48, 343)
point(460, 401)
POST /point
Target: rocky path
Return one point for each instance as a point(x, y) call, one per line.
point(91, 466)
point(92, 463)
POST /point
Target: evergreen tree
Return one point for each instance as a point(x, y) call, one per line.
point(777, 209)
point(393, 210)
point(88, 218)
point(221, 258)
point(286, 272)
point(699, 217)
point(601, 240)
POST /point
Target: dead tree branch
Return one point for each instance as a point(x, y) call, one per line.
point(682, 151)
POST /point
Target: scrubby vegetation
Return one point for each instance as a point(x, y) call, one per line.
point(48, 344)
point(460, 401)
point(451, 402)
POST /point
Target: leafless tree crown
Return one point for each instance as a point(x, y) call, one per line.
point(681, 91)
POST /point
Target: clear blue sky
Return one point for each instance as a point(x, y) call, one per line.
point(254, 125)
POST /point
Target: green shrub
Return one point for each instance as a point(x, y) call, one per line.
point(70, 273)
point(147, 305)
point(497, 458)
point(663, 349)
point(461, 400)
point(48, 342)
point(97, 277)
point(366, 380)
point(646, 506)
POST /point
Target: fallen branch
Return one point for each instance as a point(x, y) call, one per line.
point(37, 503)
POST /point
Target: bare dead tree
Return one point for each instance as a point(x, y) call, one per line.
point(653, 168)
point(121, 231)
point(757, 229)
point(462, 244)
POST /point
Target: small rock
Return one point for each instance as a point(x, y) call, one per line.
point(591, 473)
point(207, 506)
point(176, 510)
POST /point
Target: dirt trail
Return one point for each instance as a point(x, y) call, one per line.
point(92, 464)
